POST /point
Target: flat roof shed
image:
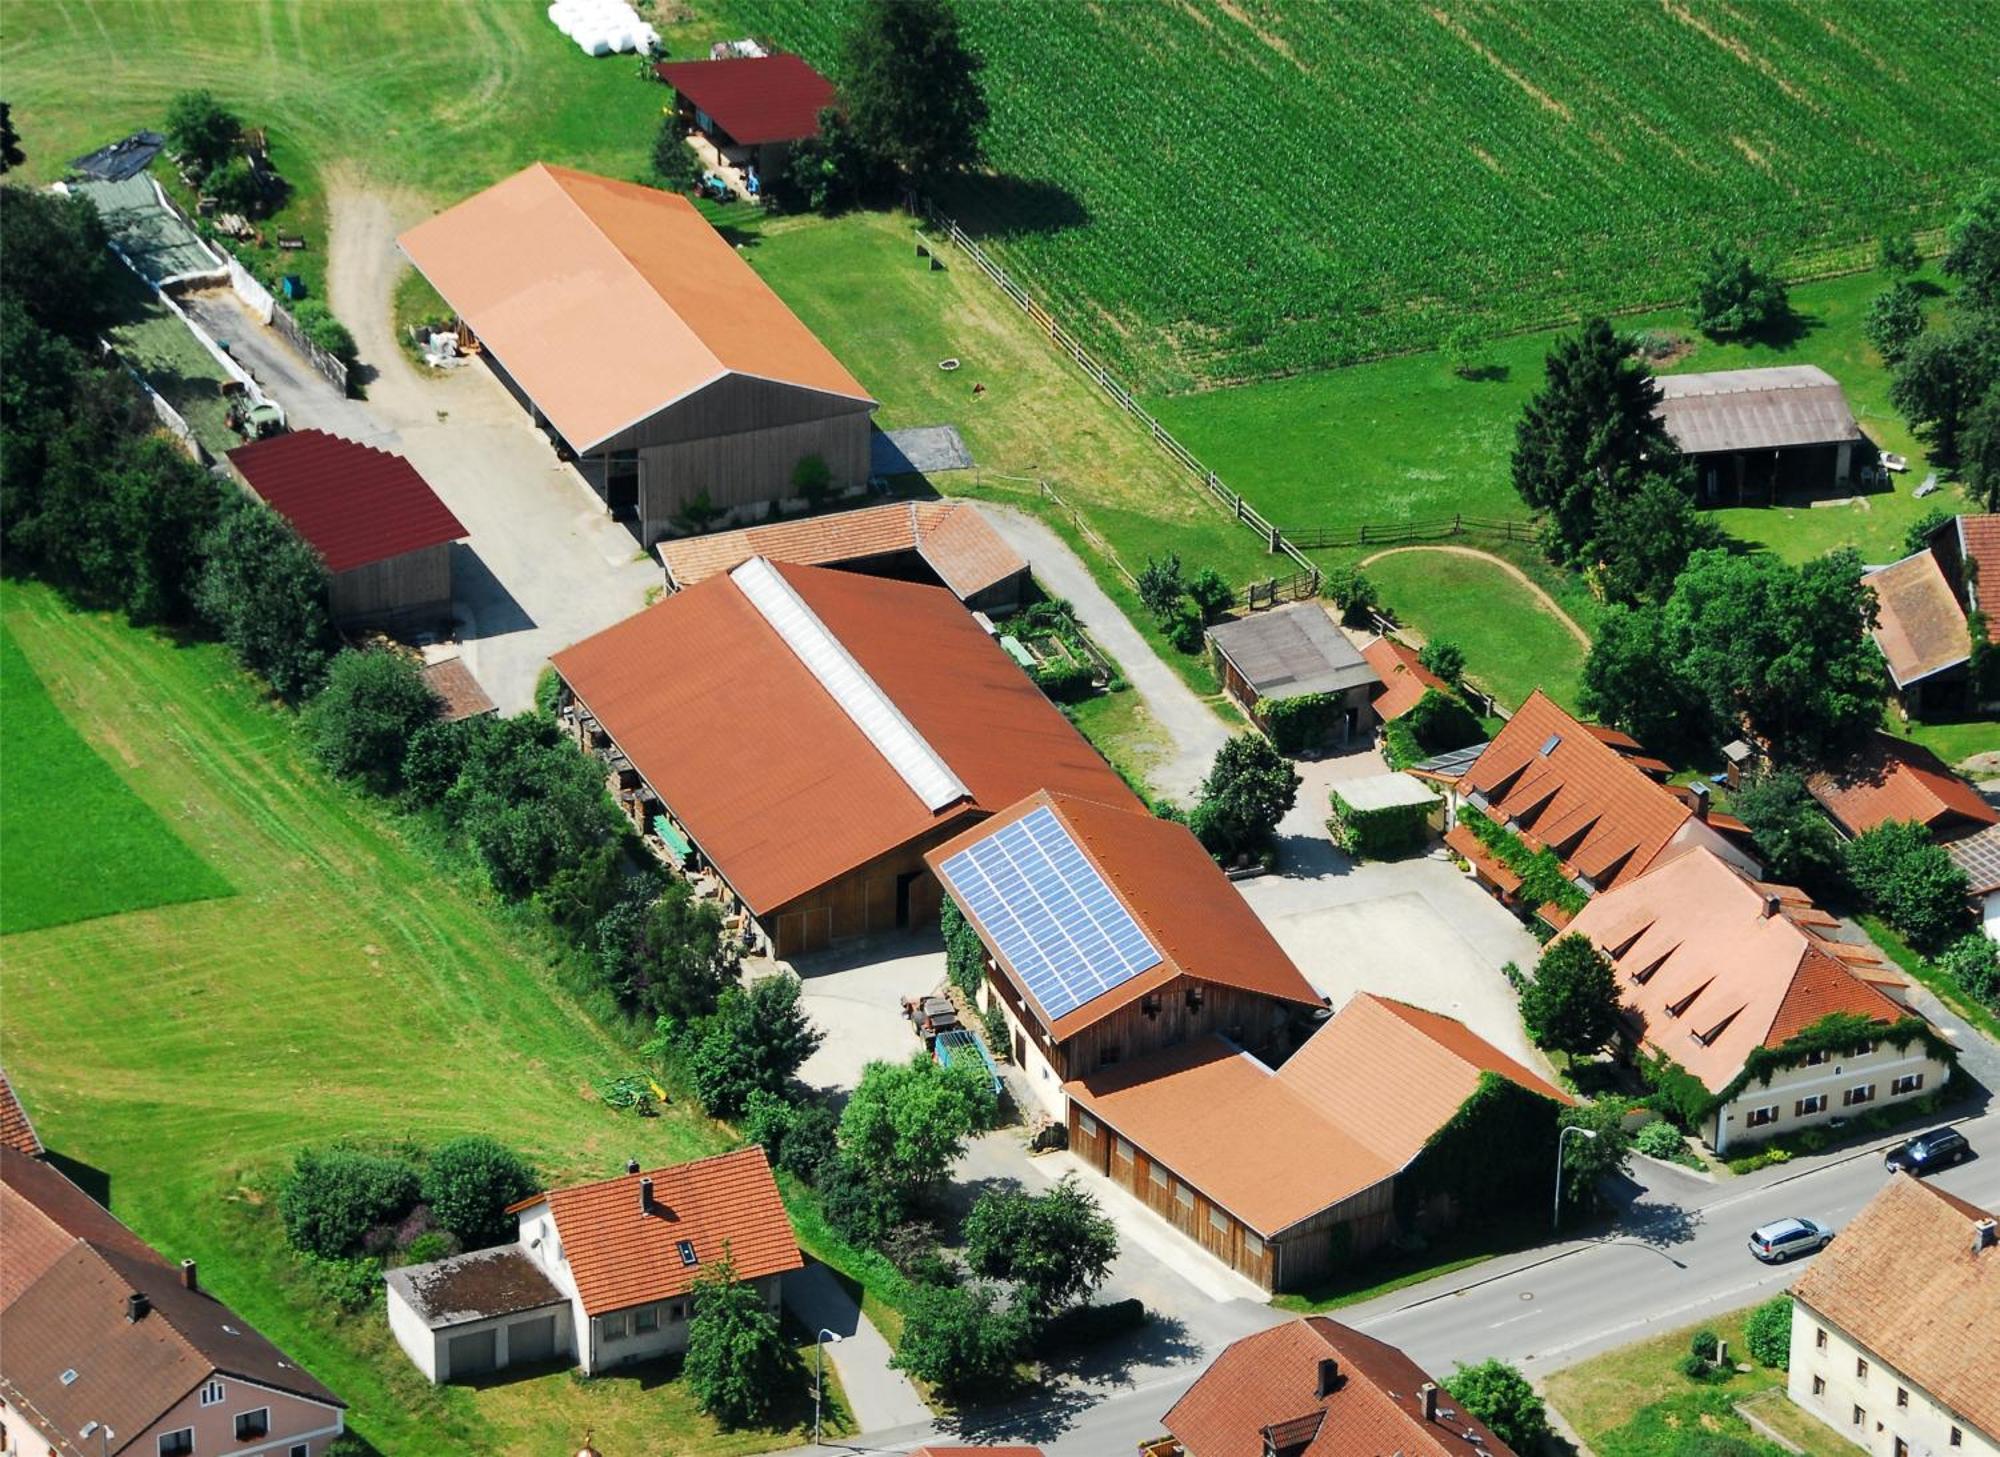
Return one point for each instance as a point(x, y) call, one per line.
point(1291, 652)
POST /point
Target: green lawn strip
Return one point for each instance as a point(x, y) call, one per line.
point(1940, 982)
point(360, 985)
point(75, 841)
point(1386, 1274)
point(1954, 740)
point(1632, 1402)
point(1129, 737)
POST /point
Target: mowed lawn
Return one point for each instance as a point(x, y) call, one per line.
point(350, 988)
point(75, 841)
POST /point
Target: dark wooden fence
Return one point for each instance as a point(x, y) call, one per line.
point(1396, 533)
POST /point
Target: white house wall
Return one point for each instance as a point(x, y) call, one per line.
point(1881, 1066)
point(1826, 1381)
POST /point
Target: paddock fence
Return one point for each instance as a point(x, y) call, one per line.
point(1396, 533)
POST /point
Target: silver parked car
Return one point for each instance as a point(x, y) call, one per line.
point(1784, 1239)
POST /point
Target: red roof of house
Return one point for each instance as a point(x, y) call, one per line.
point(1895, 779)
point(754, 98)
point(1192, 913)
point(622, 1254)
point(781, 787)
point(1271, 1382)
point(353, 504)
point(1568, 788)
point(1404, 679)
point(16, 1132)
point(1979, 540)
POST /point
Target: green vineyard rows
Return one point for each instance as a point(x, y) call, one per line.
point(1211, 191)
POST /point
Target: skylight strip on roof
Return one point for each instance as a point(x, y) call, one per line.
point(858, 695)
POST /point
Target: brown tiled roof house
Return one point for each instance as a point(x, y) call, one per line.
point(1899, 779)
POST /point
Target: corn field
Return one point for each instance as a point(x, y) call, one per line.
point(1221, 190)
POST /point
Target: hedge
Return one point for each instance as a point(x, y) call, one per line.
point(1380, 834)
point(1305, 722)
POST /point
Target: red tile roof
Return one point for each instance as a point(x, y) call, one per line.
point(1712, 976)
point(754, 98)
point(458, 691)
point(1919, 625)
point(1271, 1382)
point(1571, 790)
point(1404, 679)
point(623, 1255)
point(775, 783)
point(353, 504)
point(1979, 541)
point(1191, 912)
point(1461, 839)
point(952, 537)
point(16, 1132)
point(1895, 779)
point(1910, 1282)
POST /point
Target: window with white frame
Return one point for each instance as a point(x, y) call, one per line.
point(211, 1393)
point(1907, 1083)
point(1806, 1107)
point(1855, 1097)
point(299, 1449)
point(1158, 1175)
point(1184, 1196)
point(177, 1444)
point(1758, 1117)
point(1218, 1221)
point(1817, 1056)
point(251, 1425)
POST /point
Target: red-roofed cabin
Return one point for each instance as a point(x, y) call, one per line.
point(381, 530)
point(751, 108)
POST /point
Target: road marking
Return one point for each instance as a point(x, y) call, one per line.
point(1524, 1315)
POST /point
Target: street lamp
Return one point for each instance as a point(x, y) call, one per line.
point(820, 1343)
point(1556, 1223)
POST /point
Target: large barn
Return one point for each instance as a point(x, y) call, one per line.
point(807, 734)
point(634, 334)
point(1757, 433)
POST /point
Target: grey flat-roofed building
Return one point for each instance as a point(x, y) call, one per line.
point(1296, 652)
point(478, 1313)
point(1788, 426)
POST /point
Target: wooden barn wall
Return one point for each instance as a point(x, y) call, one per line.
point(403, 587)
point(863, 900)
point(1249, 1019)
point(733, 405)
point(746, 468)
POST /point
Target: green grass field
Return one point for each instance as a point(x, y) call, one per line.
point(1216, 191)
point(354, 986)
point(75, 841)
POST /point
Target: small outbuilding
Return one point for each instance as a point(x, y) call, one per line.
point(379, 527)
point(1760, 432)
point(752, 109)
point(1296, 674)
point(478, 1313)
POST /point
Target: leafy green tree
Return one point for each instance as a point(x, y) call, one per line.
point(1905, 876)
point(906, 1123)
point(201, 130)
point(1572, 1004)
point(1945, 372)
point(1918, 537)
point(1623, 684)
point(754, 1042)
point(1440, 723)
point(675, 165)
point(264, 592)
point(1645, 539)
point(1588, 1161)
point(961, 1338)
point(11, 155)
point(1588, 432)
point(1249, 788)
point(1979, 449)
point(1972, 247)
point(829, 173)
point(1973, 961)
point(360, 724)
point(163, 505)
point(1443, 657)
point(1211, 593)
point(1161, 585)
point(1058, 1247)
point(1796, 841)
point(332, 1197)
point(1895, 317)
point(1897, 255)
point(1465, 348)
point(667, 953)
point(1500, 1396)
point(738, 1365)
point(1767, 1331)
point(235, 189)
point(469, 1184)
point(59, 263)
point(530, 802)
point(1737, 297)
point(911, 87)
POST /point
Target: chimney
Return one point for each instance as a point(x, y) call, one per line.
point(136, 1306)
point(1329, 1377)
point(1771, 904)
point(631, 1166)
point(1984, 1235)
point(646, 1195)
point(1428, 1394)
point(187, 1276)
point(1698, 793)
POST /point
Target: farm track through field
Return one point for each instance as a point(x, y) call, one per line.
point(1542, 598)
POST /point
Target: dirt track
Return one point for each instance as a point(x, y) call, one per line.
point(1547, 602)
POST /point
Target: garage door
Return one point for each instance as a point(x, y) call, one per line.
point(471, 1355)
point(531, 1340)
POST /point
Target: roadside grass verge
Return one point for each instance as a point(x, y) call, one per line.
point(1385, 1275)
point(361, 983)
point(75, 841)
point(1941, 983)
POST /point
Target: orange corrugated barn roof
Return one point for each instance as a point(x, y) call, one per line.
point(607, 301)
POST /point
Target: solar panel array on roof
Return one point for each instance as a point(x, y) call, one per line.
point(1050, 912)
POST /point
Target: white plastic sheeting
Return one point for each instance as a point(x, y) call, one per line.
point(603, 27)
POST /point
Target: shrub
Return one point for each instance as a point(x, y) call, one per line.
point(333, 1197)
point(798, 1138)
point(1695, 1366)
point(470, 1183)
point(1905, 876)
point(1182, 628)
point(1351, 592)
point(993, 1021)
point(1661, 1141)
point(1444, 658)
point(1500, 1396)
point(1973, 961)
point(812, 478)
point(1705, 1344)
point(753, 1042)
point(1736, 296)
point(862, 1208)
point(317, 323)
point(1767, 1331)
point(1211, 593)
point(349, 1285)
point(360, 725)
point(961, 1339)
point(433, 1244)
point(234, 187)
point(1065, 681)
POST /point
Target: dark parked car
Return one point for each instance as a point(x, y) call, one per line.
point(1938, 1149)
point(1784, 1239)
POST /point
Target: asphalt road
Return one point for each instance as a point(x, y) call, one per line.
point(1677, 1256)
